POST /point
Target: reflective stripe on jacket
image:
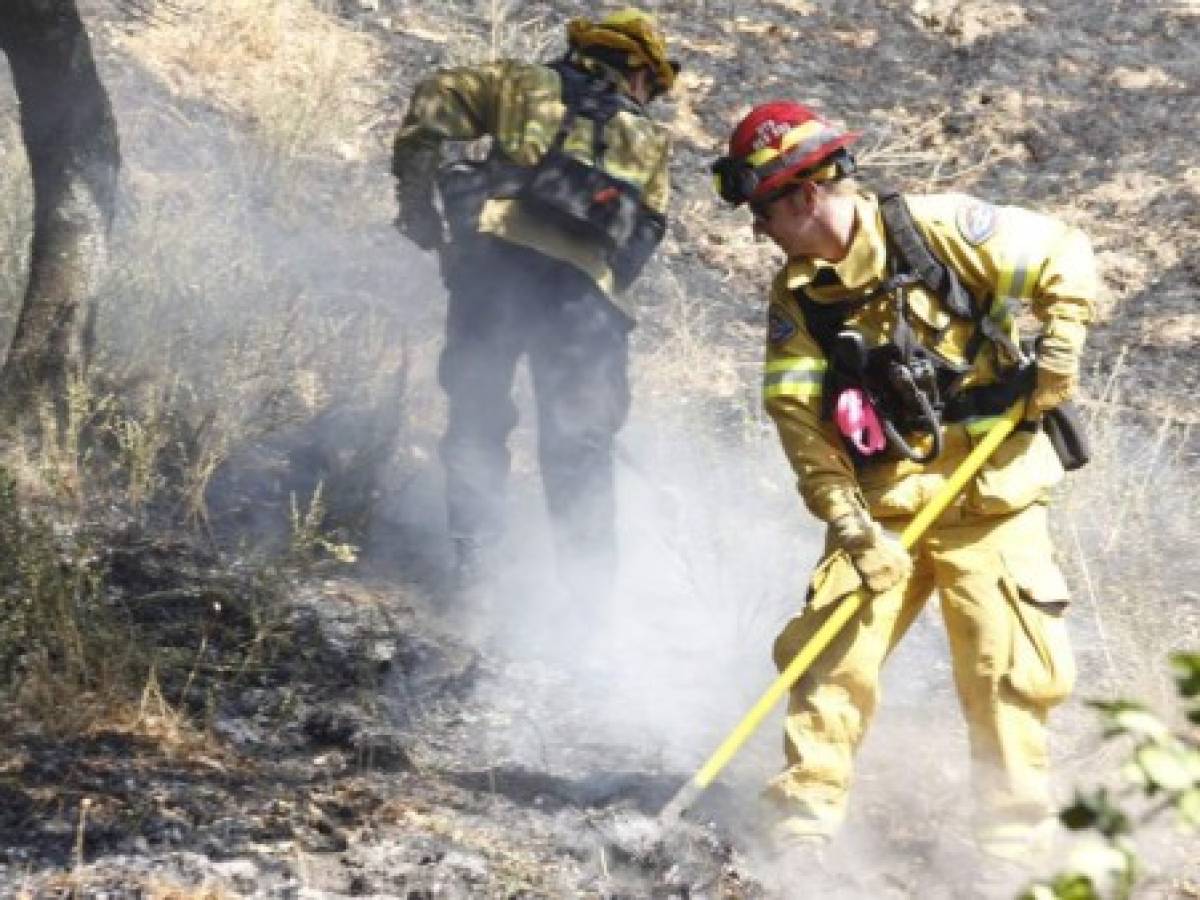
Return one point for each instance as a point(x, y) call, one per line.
point(1012, 260)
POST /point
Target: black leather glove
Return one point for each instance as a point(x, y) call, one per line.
point(414, 162)
point(419, 221)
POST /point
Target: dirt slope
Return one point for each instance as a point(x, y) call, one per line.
point(380, 751)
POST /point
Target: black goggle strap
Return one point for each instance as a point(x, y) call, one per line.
point(737, 180)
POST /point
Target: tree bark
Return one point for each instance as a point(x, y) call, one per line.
point(70, 137)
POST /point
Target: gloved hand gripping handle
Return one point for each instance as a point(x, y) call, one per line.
point(838, 619)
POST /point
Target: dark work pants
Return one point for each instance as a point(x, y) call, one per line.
point(506, 301)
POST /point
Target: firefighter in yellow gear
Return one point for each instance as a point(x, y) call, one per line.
point(875, 287)
point(539, 244)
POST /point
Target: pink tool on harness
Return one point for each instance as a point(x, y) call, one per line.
point(857, 419)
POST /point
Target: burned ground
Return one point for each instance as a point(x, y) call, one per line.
point(264, 404)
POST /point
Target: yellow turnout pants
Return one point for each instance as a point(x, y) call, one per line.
point(1002, 602)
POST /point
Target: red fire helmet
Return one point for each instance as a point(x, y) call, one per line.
point(775, 143)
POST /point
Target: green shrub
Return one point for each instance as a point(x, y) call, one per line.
point(1161, 777)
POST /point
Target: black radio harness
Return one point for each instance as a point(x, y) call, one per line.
point(913, 388)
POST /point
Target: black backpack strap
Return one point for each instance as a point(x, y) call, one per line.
point(916, 257)
point(823, 321)
point(910, 245)
point(593, 98)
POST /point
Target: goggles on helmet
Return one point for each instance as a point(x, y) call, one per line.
point(738, 181)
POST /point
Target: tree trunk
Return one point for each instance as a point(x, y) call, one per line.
point(71, 140)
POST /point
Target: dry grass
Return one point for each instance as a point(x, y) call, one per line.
point(303, 81)
point(236, 313)
point(88, 881)
point(70, 663)
point(497, 29)
point(690, 360)
point(144, 440)
point(1125, 534)
point(61, 708)
point(250, 298)
point(155, 718)
point(244, 305)
point(56, 650)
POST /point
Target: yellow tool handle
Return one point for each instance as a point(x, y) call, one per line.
point(837, 620)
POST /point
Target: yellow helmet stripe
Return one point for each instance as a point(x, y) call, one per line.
point(801, 140)
point(805, 132)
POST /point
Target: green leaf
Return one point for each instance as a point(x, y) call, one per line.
point(1068, 886)
point(1134, 774)
point(1112, 707)
point(1127, 717)
point(1165, 767)
point(1189, 807)
point(1073, 886)
point(1141, 724)
point(1095, 811)
point(1079, 815)
point(1108, 869)
point(1187, 673)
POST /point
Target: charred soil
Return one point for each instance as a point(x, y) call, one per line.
point(308, 726)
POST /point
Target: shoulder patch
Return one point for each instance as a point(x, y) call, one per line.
point(780, 327)
point(976, 221)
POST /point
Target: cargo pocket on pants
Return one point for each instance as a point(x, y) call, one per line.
point(832, 580)
point(1042, 665)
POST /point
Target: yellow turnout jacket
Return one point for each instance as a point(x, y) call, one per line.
point(521, 106)
point(1008, 258)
